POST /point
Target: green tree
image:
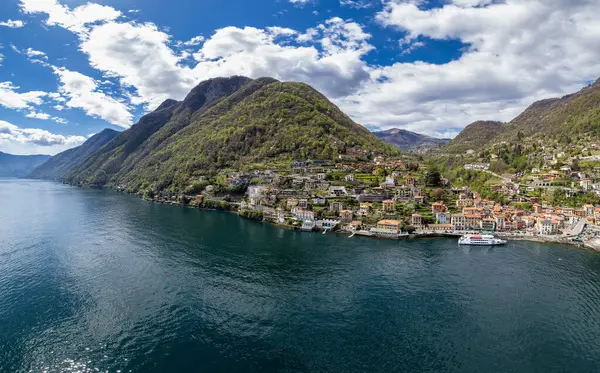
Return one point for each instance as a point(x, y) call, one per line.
point(433, 177)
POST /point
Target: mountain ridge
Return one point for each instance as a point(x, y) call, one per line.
point(233, 122)
point(12, 165)
point(552, 118)
point(409, 141)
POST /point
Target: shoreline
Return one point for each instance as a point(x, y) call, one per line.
point(561, 240)
point(592, 245)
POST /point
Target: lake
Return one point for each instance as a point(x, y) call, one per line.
point(94, 280)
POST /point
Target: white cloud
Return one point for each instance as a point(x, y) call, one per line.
point(301, 3)
point(60, 120)
point(38, 115)
point(336, 68)
point(32, 53)
point(197, 40)
point(17, 140)
point(357, 4)
point(517, 52)
point(12, 24)
point(10, 98)
point(138, 54)
point(76, 20)
point(82, 92)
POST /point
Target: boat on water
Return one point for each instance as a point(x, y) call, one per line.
point(480, 240)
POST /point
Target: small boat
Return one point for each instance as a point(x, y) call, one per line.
point(480, 240)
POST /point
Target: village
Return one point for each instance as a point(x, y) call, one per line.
point(396, 198)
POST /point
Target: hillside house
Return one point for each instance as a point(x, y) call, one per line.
point(416, 220)
point(388, 205)
point(346, 216)
point(336, 207)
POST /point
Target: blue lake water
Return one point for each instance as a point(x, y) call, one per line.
point(95, 280)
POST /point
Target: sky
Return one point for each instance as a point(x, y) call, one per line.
point(70, 68)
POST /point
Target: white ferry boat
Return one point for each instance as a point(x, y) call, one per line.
point(480, 239)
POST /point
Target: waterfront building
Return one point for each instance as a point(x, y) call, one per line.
point(488, 224)
point(303, 214)
point(440, 227)
point(416, 220)
point(458, 221)
point(443, 217)
point(356, 225)
point(389, 226)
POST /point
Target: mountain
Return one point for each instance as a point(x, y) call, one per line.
point(19, 165)
point(575, 113)
point(562, 119)
point(227, 123)
point(57, 167)
point(475, 136)
point(410, 141)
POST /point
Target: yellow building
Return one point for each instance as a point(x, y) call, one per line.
point(391, 225)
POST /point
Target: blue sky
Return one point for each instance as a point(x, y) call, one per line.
point(69, 68)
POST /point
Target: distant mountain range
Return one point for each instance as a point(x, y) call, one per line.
point(410, 141)
point(223, 123)
point(19, 165)
point(57, 167)
point(571, 116)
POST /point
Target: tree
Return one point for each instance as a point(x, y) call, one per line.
point(575, 165)
point(498, 167)
point(439, 194)
point(433, 177)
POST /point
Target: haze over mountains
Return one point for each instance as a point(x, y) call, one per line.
point(19, 165)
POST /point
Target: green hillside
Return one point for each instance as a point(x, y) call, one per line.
point(475, 136)
point(571, 119)
point(244, 123)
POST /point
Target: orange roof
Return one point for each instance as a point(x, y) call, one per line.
point(437, 204)
point(356, 223)
point(346, 211)
point(389, 222)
